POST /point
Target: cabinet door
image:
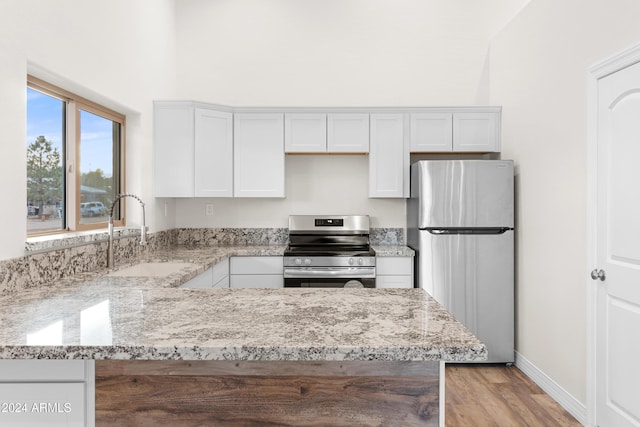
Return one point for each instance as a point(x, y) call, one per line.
point(256, 265)
point(476, 132)
point(258, 157)
point(431, 132)
point(305, 133)
point(221, 270)
point(388, 159)
point(213, 153)
point(394, 272)
point(202, 280)
point(392, 265)
point(222, 283)
point(348, 133)
point(173, 150)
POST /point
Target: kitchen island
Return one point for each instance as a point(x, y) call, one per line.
point(171, 356)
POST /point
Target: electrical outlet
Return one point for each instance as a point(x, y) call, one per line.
point(208, 210)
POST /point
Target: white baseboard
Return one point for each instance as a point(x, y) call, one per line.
point(553, 389)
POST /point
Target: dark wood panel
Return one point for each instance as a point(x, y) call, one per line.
point(185, 400)
point(274, 368)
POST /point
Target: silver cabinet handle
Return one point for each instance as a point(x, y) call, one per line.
point(598, 274)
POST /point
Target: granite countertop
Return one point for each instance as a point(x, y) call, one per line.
point(393, 250)
point(96, 316)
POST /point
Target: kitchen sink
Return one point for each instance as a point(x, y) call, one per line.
point(151, 269)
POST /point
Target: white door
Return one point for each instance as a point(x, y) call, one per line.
point(617, 222)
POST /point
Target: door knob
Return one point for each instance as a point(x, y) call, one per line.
point(598, 274)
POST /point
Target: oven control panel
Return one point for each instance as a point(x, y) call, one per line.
point(329, 222)
point(330, 261)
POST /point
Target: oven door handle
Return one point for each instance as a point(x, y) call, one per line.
point(320, 272)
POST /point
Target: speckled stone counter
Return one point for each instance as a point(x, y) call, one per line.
point(95, 316)
point(393, 250)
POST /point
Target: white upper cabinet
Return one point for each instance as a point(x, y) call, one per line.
point(206, 150)
point(213, 153)
point(305, 133)
point(348, 133)
point(431, 132)
point(193, 150)
point(476, 132)
point(388, 157)
point(258, 157)
point(174, 149)
point(473, 131)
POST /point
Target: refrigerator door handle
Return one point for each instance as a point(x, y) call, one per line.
point(485, 230)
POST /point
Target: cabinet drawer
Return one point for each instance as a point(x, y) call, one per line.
point(273, 281)
point(256, 265)
point(394, 265)
point(43, 404)
point(394, 281)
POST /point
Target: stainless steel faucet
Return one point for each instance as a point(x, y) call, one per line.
point(143, 230)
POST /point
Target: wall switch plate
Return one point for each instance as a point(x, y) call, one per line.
point(208, 210)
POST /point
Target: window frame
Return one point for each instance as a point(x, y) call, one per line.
point(74, 104)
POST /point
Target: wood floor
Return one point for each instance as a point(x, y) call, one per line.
point(498, 395)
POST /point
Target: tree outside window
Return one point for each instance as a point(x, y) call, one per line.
point(44, 178)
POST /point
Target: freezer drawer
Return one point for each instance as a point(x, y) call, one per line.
point(472, 276)
point(461, 193)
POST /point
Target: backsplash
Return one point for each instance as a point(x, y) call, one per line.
point(387, 236)
point(49, 260)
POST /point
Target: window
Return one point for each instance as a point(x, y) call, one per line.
point(74, 161)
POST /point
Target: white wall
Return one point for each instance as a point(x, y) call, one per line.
point(330, 53)
point(119, 52)
point(538, 74)
point(335, 52)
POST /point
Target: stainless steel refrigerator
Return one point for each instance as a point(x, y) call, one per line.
point(460, 220)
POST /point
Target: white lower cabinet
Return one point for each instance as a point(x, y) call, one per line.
point(221, 274)
point(202, 280)
point(215, 277)
point(394, 272)
point(47, 393)
point(256, 272)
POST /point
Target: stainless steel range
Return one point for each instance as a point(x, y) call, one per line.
point(329, 251)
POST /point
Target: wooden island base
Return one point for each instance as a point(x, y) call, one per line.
point(248, 393)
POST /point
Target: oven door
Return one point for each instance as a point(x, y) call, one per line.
point(329, 277)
